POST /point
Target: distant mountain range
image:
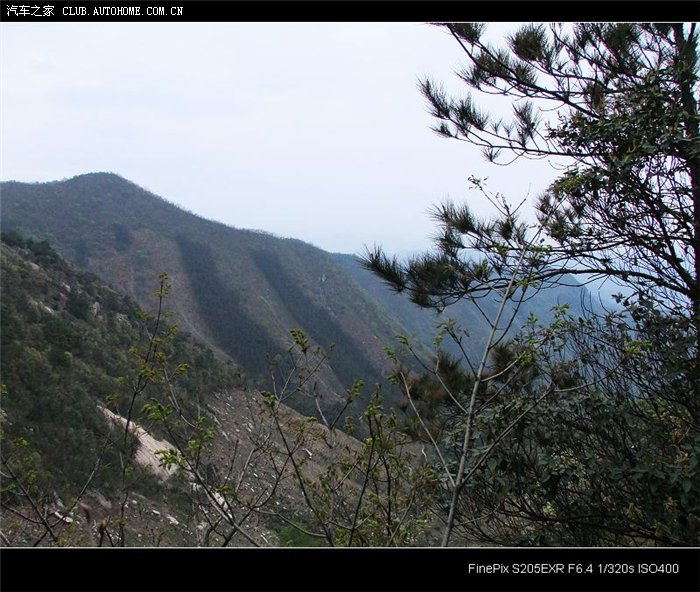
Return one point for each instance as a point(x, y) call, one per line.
point(237, 291)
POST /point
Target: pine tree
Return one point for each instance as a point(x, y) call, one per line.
point(616, 106)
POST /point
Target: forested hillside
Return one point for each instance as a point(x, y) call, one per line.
point(119, 430)
point(238, 291)
point(70, 351)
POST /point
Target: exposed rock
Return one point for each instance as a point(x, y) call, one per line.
point(146, 455)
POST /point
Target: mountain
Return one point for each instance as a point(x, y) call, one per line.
point(238, 291)
point(241, 291)
point(68, 373)
point(69, 329)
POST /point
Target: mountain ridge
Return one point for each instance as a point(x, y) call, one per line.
point(238, 291)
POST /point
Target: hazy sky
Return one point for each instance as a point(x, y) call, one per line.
point(312, 131)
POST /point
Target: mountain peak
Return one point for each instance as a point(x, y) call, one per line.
point(103, 178)
point(238, 291)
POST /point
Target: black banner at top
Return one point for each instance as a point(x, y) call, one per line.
point(346, 10)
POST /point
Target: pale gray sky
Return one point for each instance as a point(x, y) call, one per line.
point(314, 131)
